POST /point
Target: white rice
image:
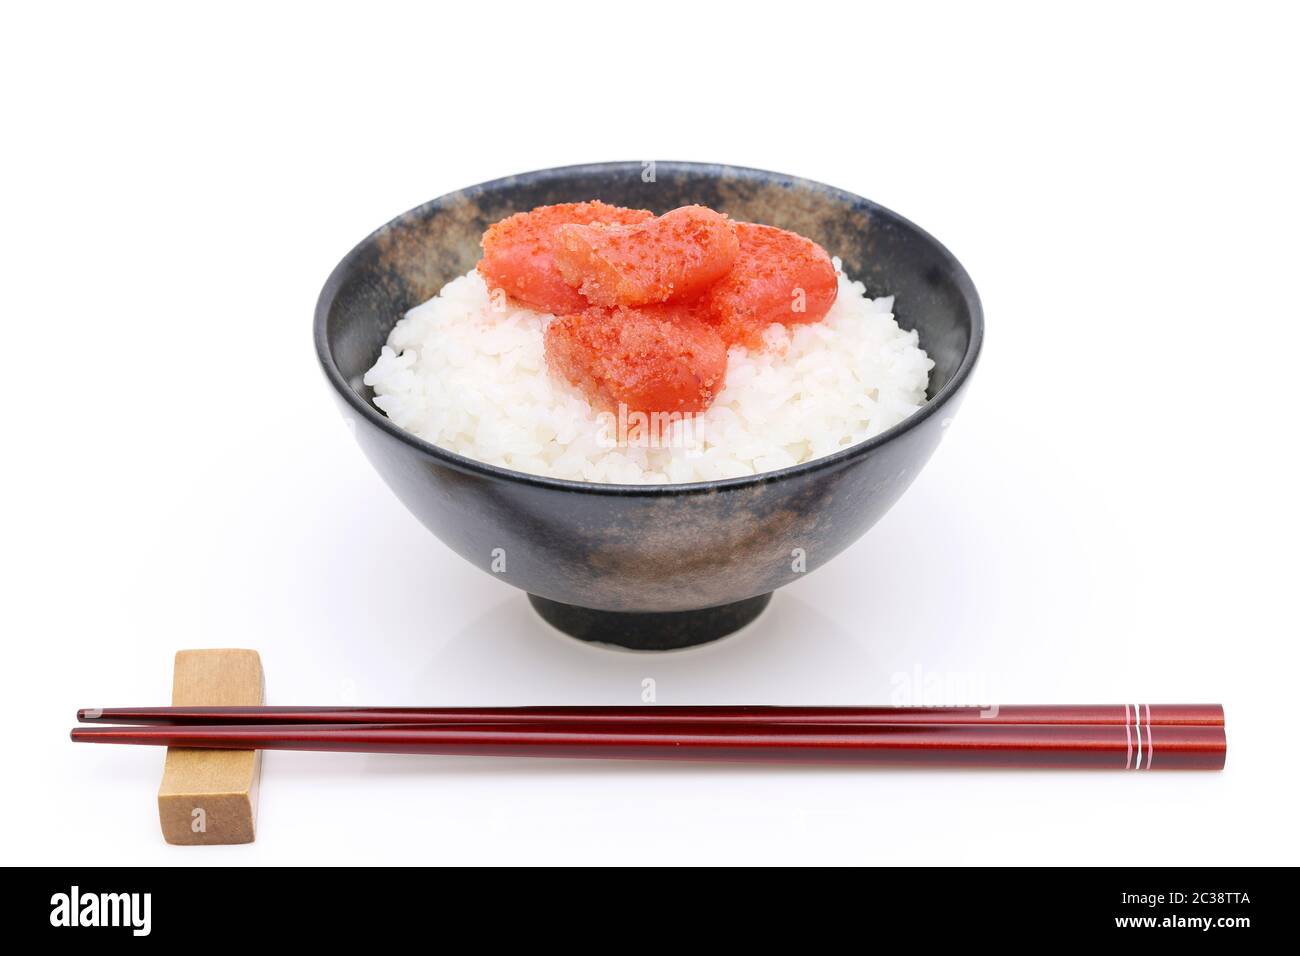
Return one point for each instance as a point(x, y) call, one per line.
point(467, 372)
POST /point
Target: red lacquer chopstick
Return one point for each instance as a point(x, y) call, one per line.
point(1085, 746)
point(1210, 715)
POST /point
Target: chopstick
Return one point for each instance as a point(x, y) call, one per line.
point(1135, 744)
point(740, 715)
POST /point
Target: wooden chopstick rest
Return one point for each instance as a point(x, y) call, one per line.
point(210, 796)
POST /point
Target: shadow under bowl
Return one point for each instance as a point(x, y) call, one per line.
point(651, 567)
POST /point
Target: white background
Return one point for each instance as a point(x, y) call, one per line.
point(1111, 517)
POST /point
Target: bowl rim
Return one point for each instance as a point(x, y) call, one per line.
point(451, 459)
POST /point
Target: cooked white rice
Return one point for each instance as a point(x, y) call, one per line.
point(468, 373)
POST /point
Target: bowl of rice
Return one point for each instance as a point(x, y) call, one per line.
point(625, 527)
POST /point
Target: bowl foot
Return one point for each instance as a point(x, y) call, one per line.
point(650, 631)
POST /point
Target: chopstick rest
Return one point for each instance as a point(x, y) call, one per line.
point(210, 796)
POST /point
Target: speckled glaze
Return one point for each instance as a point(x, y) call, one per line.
point(621, 564)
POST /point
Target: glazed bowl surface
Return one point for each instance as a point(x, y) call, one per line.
point(649, 566)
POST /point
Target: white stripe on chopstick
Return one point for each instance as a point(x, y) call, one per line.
point(1128, 735)
point(1137, 727)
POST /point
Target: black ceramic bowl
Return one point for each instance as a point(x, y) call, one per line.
point(649, 566)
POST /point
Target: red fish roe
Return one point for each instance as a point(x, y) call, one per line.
point(672, 258)
point(656, 359)
point(518, 252)
point(650, 305)
point(778, 276)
